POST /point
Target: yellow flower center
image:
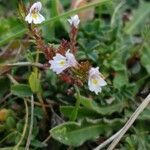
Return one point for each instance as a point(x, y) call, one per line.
point(94, 81)
point(62, 62)
point(34, 15)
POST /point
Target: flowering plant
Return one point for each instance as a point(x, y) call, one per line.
point(61, 56)
point(65, 55)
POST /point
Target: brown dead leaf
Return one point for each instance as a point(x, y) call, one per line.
point(60, 7)
point(12, 53)
point(85, 15)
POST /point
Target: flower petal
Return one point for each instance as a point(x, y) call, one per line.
point(102, 82)
point(70, 59)
point(29, 18)
point(58, 64)
point(36, 7)
point(94, 87)
point(95, 81)
point(94, 72)
point(74, 20)
point(39, 19)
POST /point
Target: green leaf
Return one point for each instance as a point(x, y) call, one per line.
point(19, 127)
point(140, 15)
point(38, 144)
point(11, 36)
point(10, 26)
point(103, 110)
point(34, 82)
point(145, 59)
point(54, 9)
point(82, 112)
point(10, 122)
point(75, 134)
point(117, 65)
point(120, 80)
point(21, 90)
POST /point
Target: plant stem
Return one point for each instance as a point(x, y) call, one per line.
point(5, 98)
point(12, 79)
point(39, 104)
point(23, 64)
point(102, 145)
point(75, 111)
point(47, 139)
point(36, 61)
point(42, 104)
point(130, 122)
point(39, 95)
point(25, 126)
point(31, 124)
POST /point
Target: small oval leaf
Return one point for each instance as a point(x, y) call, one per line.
point(21, 90)
point(34, 82)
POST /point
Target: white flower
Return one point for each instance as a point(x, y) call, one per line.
point(71, 59)
point(60, 62)
point(95, 81)
point(74, 20)
point(34, 15)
